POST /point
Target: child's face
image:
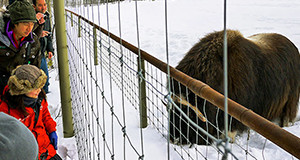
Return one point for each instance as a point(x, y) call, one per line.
point(34, 93)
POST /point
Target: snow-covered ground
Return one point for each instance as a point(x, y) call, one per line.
point(188, 21)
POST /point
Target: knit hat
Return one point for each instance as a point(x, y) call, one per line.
point(16, 140)
point(21, 11)
point(26, 78)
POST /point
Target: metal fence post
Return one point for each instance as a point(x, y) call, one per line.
point(95, 46)
point(143, 96)
point(79, 35)
point(72, 19)
point(64, 75)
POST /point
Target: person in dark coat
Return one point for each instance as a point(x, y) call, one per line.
point(24, 99)
point(18, 44)
point(40, 6)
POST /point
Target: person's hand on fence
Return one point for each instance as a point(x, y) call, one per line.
point(53, 138)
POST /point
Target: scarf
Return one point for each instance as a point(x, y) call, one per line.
point(29, 102)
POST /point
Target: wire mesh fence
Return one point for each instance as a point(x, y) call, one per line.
point(105, 79)
point(117, 73)
point(91, 92)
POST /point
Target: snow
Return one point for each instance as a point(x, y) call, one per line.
point(188, 21)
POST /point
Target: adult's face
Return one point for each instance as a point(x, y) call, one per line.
point(41, 6)
point(23, 29)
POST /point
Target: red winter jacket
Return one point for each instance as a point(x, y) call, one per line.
point(43, 127)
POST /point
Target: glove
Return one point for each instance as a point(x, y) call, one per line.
point(53, 139)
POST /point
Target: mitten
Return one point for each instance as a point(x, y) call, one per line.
point(53, 139)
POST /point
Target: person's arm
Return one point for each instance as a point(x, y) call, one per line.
point(48, 121)
point(49, 47)
point(39, 26)
point(38, 29)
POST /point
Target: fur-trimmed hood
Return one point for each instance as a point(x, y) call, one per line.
point(3, 15)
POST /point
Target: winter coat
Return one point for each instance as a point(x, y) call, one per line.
point(44, 124)
point(10, 57)
point(46, 42)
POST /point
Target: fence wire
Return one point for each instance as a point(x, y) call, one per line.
point(91, 97)
point(101, 77)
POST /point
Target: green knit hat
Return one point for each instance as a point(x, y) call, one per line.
point(26, 78)
point(21, 11)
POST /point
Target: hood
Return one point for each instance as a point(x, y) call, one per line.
point(3, 15)
point(3, 38)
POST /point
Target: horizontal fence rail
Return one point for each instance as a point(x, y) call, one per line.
point(274, 133)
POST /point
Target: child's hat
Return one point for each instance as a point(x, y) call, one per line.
point(26, 78)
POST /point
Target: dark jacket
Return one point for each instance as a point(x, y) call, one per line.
point(10, 57)
point(46, 42)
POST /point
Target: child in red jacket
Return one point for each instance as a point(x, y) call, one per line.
point(23, 99)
